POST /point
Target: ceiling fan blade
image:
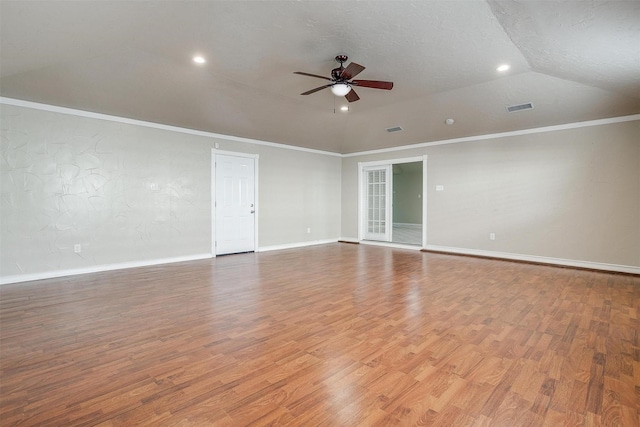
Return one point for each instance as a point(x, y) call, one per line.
point(311, 75)
point(309, 92)
point(351, 71)
point(352, 96)
point(375, 84)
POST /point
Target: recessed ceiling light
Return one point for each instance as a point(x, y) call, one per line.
point(199, 59)
point(344, 108)
point(449, 121)
point(502, 68)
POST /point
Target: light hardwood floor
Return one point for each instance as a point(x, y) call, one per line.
point(332, 335)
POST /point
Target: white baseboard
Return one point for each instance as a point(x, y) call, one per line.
point(538, 259)
point(561, 262)
point(18, 278)
point(296, 245)
point(459, 251)
point(392, 245)
point(98, 268)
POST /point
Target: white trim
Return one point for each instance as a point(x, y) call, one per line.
point(107, 117)
point(360, 201)
point(297, 245)
point(235, 154)
point(98, 268)
point(19, 278)
point(100, 116)
point(393, 161)
point(544, 129)
point(424, 200)
point(537, 259)
point(362, 191)
point(256, 158)
point(391, 245)
point(560, 262)
point(212, 217)
point(256, 201)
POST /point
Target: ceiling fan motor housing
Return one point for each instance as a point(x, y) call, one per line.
point(336, 72)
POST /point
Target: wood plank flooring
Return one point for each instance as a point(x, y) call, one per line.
point(331, 335)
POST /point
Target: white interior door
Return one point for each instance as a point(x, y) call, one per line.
point(377, 209)
point(234, 204)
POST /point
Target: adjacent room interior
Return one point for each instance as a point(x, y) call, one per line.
point(320, 213)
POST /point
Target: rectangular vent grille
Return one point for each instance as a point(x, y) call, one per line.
point(395, 129)
point(514, 108)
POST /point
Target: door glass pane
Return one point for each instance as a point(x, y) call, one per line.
point(376, 187)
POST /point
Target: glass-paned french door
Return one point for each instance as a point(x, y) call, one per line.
point(377, 198)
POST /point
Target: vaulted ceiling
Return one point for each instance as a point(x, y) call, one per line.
point(573, 60)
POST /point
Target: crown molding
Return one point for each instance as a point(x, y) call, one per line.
point(107, 117)
point(100, 116)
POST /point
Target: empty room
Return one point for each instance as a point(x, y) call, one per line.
point(320, 213)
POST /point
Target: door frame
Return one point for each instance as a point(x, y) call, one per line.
point(255, 157)
point(361, 193)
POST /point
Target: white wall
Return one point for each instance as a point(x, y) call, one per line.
point(134, 195)
point(571, 194)
point(131, 194)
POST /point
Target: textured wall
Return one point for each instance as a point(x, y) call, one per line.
point(131, 194)
point(123, 192)
point(571, 194)
point(299, 191)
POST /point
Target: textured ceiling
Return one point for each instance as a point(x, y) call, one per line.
point(574, 61)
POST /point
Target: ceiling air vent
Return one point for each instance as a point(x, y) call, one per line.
point(395, 129)
point(514, 108)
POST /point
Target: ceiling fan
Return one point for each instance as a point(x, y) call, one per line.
point(341, 83)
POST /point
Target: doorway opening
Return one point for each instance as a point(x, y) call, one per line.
point(407, 203)
point(392, 201)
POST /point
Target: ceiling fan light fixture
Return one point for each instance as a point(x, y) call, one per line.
point(341, 81)
point(340, 89)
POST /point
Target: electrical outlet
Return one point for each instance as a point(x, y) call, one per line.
point(492, 236)
point(439, 187)
point(77, 248)
point(309, 230)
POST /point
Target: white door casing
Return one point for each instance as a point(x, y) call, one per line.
point(234, 200)
point(363, 200)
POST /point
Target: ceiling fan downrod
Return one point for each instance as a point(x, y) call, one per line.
point(336, 72)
